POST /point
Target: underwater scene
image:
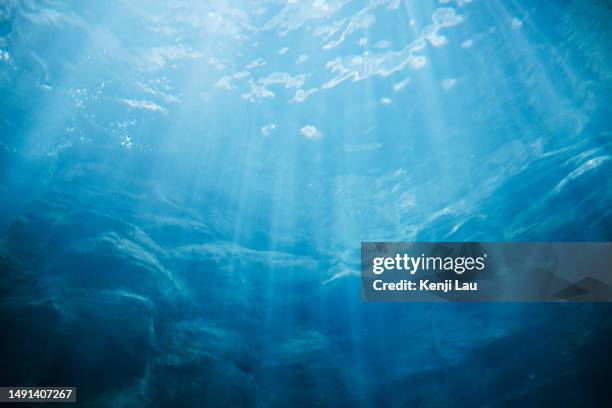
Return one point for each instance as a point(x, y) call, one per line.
point(185, 186)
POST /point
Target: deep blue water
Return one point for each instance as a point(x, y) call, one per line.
point(184, 186)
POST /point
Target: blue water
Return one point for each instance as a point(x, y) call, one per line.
point(184, 187)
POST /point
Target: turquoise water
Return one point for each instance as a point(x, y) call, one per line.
point(185, 185)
